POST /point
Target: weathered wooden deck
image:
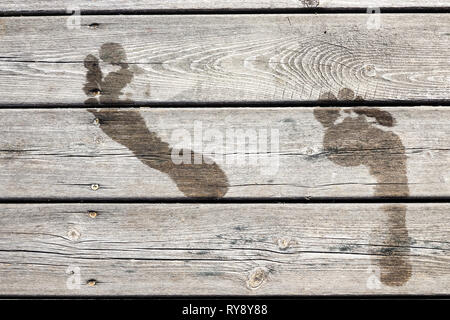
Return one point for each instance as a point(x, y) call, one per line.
point(344, 190)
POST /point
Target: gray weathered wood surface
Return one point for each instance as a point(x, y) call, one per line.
point(159, 249)
point(79, 152)
point(111, 5)
point(59, 153)
point(214, 58)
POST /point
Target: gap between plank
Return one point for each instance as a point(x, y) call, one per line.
point(231, 200)
point(397, 10)
point(240, 104)
point(210, 298)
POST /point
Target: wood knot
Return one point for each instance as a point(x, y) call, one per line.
point(284, 243)
point(74, 234)
point(370, 70)
point(256, 278)
point(310, 3)
point(98, 140)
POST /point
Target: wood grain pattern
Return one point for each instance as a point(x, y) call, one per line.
point(94, 147)
point(55, 5)
point(61, 153)
point(240, 58)
point(159, 249)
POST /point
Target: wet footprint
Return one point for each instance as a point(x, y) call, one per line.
point(128, 128)
point(106, 89)
point(354, 141)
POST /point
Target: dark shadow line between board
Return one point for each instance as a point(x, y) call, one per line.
point(230, 200)
point(226, 11)
point(219, 298)
point(238, 104)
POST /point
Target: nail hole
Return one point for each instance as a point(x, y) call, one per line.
point(95, 92)
point(91, 282)
point(94, 25)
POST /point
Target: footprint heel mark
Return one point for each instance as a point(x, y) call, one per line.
point(394, 264)
point(194, 180)
point(353, 142)
point(206, 179)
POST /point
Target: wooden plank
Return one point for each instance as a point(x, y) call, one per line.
point(110, 5)
point(159, 249)
point(255, 153)
point(216, 58)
